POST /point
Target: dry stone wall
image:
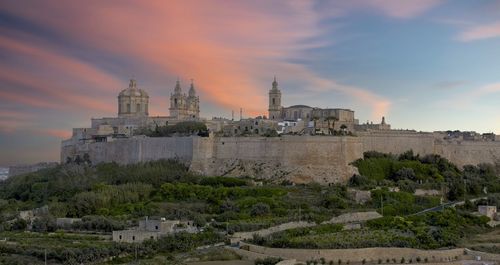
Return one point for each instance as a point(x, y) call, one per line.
point(370, 255)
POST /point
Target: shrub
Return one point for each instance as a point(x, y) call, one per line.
point(267, 261)
point(260, 209)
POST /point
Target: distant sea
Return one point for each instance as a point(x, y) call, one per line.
point(4, 173)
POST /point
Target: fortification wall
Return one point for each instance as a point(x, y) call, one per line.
point(297, 158)
point(301, 159)
point(397, 142)
point(134, 150)
point(469, 152)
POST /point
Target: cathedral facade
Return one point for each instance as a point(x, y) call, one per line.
point(184, 107)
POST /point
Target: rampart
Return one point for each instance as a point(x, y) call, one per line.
point(324, 159)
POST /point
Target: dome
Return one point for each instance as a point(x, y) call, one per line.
point(133, 91)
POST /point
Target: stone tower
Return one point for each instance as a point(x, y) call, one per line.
point(193, 103)
point(133, 102)
point(178, 108)
point(275, 102)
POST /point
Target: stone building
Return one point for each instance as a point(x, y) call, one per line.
point(153, 229)
point(251, 126)
point(488, 210)
point(370, 126)
point(334, 118)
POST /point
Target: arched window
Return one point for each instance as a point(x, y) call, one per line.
point(175, 102)
point(274, 101)
point(128, 108)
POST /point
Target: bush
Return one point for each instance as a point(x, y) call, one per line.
point(260, 209)
point(267, 261)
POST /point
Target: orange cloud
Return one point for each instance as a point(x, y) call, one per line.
point(227, 47)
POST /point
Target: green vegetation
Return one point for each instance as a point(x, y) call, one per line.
point(429, 231)
point(64, 248)
point(111, 197)
point(408, 172)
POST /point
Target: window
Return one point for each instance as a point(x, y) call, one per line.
point(128, 108)
point(175, 102)
point(274, 101)
point(120, 237)
point(152, 237)
point(138, 108)
point(156, 227)
point(146, 109)
point(133, 238)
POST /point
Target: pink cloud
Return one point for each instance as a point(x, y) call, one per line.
point(227, 47)
point(28, 100)
point(403, 8)
point(64, 96)
point(480, 32)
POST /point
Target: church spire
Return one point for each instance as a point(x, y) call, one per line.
point(275, 84)
point(192, 91)
point(177, 89)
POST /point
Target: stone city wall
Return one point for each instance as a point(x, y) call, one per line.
point(133, 150)
point(301, 159)
point(296, 158)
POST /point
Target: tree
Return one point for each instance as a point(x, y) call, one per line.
point(404, 173)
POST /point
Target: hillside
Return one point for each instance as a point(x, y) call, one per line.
point(109, 197)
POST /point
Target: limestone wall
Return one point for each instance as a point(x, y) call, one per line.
point(469, 152)
point(239, 236)
point(298, 158)
point(134, 150)
point(397, 142)
point(370, 255)
point(323, 159)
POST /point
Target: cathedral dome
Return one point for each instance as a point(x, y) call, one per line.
point(133, 101)
point(133, 91)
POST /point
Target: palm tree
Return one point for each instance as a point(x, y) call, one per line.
point(334, 119)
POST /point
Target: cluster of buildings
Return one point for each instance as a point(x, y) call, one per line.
point(133, 113)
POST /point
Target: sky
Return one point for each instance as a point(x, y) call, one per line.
point(426, 65)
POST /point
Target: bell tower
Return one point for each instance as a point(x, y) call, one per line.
point(274, 102)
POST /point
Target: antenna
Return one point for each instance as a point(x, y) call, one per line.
point(232, 115)
point(241, 113)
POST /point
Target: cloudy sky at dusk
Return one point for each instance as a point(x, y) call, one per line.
point(425, 65)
